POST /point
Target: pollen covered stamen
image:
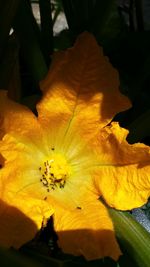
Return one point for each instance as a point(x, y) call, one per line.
point(54, 172)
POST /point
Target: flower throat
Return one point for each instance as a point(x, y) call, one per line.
point(54, 172)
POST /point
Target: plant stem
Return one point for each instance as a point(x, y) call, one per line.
point(139, 15)
point(46, 28)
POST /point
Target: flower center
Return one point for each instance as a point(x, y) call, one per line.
point(55, 172)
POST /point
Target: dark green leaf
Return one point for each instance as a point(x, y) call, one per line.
point(132, 236)
point(8, 10)
point(28, 34)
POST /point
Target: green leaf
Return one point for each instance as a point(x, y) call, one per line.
point(89, 15)
point(64, 260)
point(10, 69)
point(8, 10)
point(132, 236)
point(14, 258)
point(139, 128)
point(28, 33)
point(46, 28)
point(101, 16)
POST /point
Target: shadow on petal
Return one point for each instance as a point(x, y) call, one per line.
point(15, 228)
point(2, 160)
point(89, 243)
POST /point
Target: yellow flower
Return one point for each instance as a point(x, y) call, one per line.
point(60, 162)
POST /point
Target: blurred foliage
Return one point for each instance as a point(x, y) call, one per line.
point(146, 209)
point(25, 56)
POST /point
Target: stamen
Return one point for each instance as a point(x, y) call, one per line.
point(55, 171)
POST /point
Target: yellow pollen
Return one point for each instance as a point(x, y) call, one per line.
point(54, 172)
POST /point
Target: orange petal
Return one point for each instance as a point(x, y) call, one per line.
point(123, 173)
point(20, 172)
point(21, 221)
point(26, 201)
point(21, 193)
point(15, 228)
point(86, 231)
point(26, 205)
point(19, 121)
point(81, 88)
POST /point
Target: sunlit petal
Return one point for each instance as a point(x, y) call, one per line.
point(82, 88)
point(123, 173)
point(86, 231)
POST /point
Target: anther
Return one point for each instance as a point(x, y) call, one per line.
point(45, 182)
point(54, 172)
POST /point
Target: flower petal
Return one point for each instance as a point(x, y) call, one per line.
point(16, 191)
point(21, 221)
point(81, 90)
point(26, 201)
point(19, 121)
point(20, 172)
point(86, 231)
point(123, 173)
point(21, 193)
point(15, 228)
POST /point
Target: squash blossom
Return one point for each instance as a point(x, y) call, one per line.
point(61, 162)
